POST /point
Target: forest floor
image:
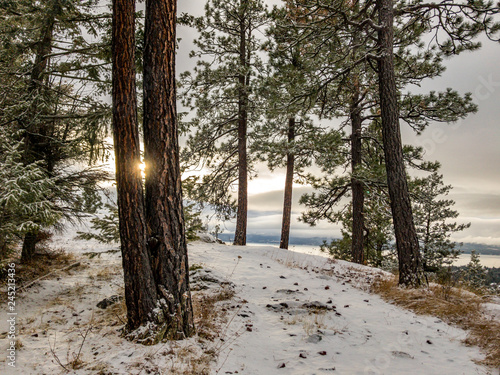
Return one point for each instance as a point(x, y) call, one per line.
point(259, 310)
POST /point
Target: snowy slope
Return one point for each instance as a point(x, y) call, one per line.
point(362, 335)
point(292, 314)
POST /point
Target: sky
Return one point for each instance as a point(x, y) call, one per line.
point(469, 150)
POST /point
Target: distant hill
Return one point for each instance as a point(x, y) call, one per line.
point(275, 239)
point(466, 248)
point(480, 248)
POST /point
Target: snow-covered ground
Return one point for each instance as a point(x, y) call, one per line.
point(292, 314)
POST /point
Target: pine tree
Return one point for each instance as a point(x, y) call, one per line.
point(377, 230)
point(26, 195)
point(410, 268)
point(222, 93)
point(45, 57)
point(287, 137)
point(152, 232)
point(164, 209)
point(461, 22)
point(140, 289)
point(475, 274)
point(432, 214)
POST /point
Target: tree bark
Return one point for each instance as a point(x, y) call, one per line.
point(35, 137)
point(358, 196)
point(287, 204)
point(241, 215)
point(140, 291)
point(164, 211)
point(410, 272)
point(29, 246)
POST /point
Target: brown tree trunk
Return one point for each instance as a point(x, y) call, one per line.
point(29, 246)
point(140, 291)
point(240, 235)
point(287, 204)
point(35, 137)
point(410, 272)
point(358, 196)
point(164, 213)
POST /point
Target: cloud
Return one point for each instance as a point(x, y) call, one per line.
point(477, 204)
point(273, 200)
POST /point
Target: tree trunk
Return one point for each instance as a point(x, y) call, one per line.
point(29, 246)
point(287, 204)
point(410, 272)
point(35, 135)
point(240, 235)
point(37, 142)
point(358, 196)
point(164, 213)
point(140, 291)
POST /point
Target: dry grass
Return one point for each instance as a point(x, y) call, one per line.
point(112, 316)
point(290, 261)
point(207, 315)
point(107, 273)
point(454, 306)
point(311, 322)
point(187, 359)
point(41, 264)
point(194, 358)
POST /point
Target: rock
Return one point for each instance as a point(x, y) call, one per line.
point(106, 302)
point(322, 352)
point(203, 278)
point(314, 339)
point(302, 355)
point(288, 291)
point(282, 365)
point(316, 305)
point(208, 238)
point(401, 354)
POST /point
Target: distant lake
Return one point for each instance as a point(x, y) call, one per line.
point(463, 259)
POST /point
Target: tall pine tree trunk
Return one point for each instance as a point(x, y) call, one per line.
point(240, 235)
point(358, 196)
point(410, 272)
point(287, 204)
point(164, 213)
point(140, 291)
